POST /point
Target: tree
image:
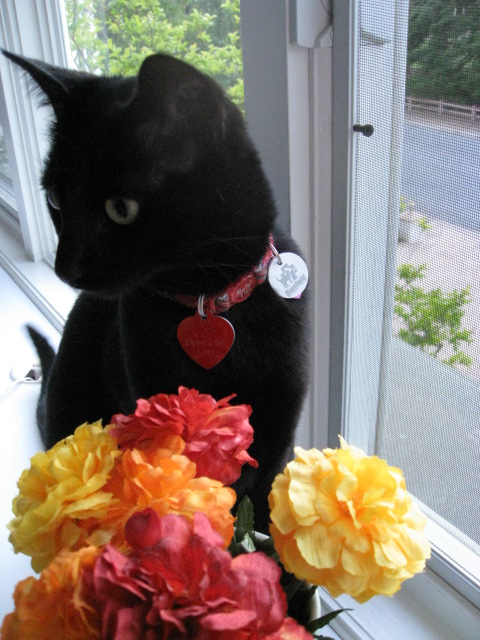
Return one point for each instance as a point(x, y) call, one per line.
point(114, 36)
point(432, 319)
point(443, 60)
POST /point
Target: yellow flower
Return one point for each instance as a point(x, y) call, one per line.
point(53, 605)
point(62, 487)
point(344, 520)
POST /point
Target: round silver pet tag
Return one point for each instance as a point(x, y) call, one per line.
point(288, 275)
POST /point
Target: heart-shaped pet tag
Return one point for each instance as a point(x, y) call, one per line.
point(206, 340)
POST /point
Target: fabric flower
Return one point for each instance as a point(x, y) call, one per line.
point(63, 487)
point(215, 435)
point(178, 582)
point(344, 520)
point(55, 605)
point(168, 485)
point(173, 581)
point(83, 490)
point(291, 630)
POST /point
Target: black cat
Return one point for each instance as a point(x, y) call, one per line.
point(158, 197)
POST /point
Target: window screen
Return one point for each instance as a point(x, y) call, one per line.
point(415, 296)
point(7, 198)
point(4, 166)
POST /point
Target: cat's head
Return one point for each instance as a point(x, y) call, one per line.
point(150, 179)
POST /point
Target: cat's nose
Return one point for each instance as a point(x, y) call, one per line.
point(68, 266)
point(69, 275)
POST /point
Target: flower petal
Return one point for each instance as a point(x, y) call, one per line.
point(317, 547)
point(279, 501)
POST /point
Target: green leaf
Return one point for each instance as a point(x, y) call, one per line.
point(268, 548)
point(247, 543)
point(292, 588)
point(299, 597)
point(245, 518)
point(313, 625)
point(244, 539)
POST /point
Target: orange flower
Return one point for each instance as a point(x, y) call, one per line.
point(344, 520)
point(167, 484)
point(54, 605)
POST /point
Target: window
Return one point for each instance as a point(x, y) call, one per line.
point(111, 39)
point(5, 174)
point(301, 100)
point(8, 206)
point(409, 392)
point(437, 293)
point(93, 37)
point(7, 197)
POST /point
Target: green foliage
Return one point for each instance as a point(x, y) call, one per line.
point(4, 166)
point(406, 206)
point(444, 50)
point(114, 36)
point(407, 211)
point(432, 319)
point(423, 223)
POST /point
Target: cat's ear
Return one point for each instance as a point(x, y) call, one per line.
point(53, 81)
point(177, 89)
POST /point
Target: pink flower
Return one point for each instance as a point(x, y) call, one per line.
point(178, 582)
point(216, 435)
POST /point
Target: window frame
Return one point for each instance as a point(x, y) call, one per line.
point(35, 29)
point(8, 205)
point(433, 586)
point(311, 86)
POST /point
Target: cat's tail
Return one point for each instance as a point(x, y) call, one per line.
point(44, 350)
point(47, 356)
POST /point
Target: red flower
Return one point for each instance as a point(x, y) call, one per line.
point(178, 582)
point(143, 530)
point(215, 434)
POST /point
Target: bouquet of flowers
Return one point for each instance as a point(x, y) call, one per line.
point(131, 531)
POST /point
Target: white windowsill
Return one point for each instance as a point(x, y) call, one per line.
point(426, 608)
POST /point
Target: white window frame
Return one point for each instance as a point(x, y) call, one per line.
point(289, 105)
point(33, 28)
point(426, 607)
point(8, 205)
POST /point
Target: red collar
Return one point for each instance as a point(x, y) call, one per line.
point(237, 292)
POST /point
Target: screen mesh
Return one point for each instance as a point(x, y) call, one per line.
point(422, 175)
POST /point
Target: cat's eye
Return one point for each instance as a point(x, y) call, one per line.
point(122, 210)
point(52, 199)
